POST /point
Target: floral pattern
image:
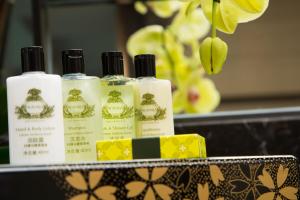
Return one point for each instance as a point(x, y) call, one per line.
point(278, 189)
point(203, 192)
point(216, 177)
point(246, 179)
point(136, 188)
point(248, 184)
point(89, 189)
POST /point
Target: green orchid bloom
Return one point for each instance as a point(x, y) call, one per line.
point(229, 13)
point(163, 9)
point(249, 10)
point(226, 17)
point(252, 6)
point(196, 95)
point(189, 28)
point(156, 40)
point(140, 7)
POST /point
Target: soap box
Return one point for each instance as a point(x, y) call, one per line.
point(166, 147)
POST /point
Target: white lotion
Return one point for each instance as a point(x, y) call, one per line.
point(154, 113)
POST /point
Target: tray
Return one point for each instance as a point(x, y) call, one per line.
point(263, 178)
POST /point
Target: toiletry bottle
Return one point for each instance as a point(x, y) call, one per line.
point(36, 133)
point(81, 108)
point(117, 99)
point(154, 113)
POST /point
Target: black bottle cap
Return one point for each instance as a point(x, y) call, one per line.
point(144, 65)
point(73, 61)
point(112, 63)
point(32, 59)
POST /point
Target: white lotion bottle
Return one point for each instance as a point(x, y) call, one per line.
point(154, 113)
point(36, 132)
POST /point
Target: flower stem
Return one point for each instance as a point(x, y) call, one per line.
point(214, 13)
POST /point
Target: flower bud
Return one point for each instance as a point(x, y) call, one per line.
point(213, 54)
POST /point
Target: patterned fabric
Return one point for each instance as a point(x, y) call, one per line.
point(262, 178)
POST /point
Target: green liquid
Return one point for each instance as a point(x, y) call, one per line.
point(118, 112)
point(82, 117)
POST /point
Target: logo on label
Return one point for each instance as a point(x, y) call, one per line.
point(76, 106)
point(34, 107)
point(115, 108)
point(150, 110)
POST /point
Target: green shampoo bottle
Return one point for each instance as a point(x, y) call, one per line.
point(81, 108)
point(117, 99)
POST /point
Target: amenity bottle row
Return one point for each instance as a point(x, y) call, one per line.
point(56, 120)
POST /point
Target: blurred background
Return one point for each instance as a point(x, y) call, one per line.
point(262, 70)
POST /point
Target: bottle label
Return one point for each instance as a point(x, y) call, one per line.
point(154, 109)
point(149, 109)
point(35, 119)
point(82, 120)
point(34, 106)
point(116, 108)
point(118, 112)
point(77, 107)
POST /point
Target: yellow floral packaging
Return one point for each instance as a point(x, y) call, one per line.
point(166, 147)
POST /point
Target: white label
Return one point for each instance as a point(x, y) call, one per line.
point(35, 119)
point(154, 108)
